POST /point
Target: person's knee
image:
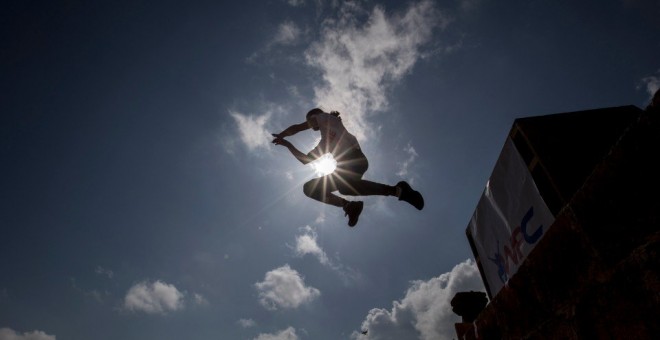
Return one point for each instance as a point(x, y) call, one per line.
point(310, 189)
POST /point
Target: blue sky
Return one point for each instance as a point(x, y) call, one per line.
point(140, 197)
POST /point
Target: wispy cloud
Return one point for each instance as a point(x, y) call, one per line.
point(200, 300)
point(320, 219)
point(652, 83)
point(286, 334)
point(284, 287)
point(154, 298)
point(425, 311)
point(252, 129)
point(95, 294)
point(307, 244)
point(287, 33)
point(104, 272)
point(10, 334)
point(403, 166)
point(295, 3)
point(246, 323)
point(360, 60)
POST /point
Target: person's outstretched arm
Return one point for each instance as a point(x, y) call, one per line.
point(292, 130)
point(304, 159)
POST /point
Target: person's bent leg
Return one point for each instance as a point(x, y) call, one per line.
point(321, 190)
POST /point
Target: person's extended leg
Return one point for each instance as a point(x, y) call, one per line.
point(350, 182)
point(355, 186)
point(348, 179)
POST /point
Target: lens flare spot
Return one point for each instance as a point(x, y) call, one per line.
point(325, 165)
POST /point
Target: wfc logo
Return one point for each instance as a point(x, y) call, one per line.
point(507, 263)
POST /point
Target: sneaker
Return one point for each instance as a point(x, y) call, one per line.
point(353, 210)
point(411, 196)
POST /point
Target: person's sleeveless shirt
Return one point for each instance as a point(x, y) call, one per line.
point(335, 139)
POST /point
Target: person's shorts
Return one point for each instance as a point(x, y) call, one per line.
point(352, 165)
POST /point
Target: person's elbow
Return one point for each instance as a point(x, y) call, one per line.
point(305, 159)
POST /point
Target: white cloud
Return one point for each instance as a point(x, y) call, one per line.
point(286, 334)
point(200, 300)
point(153, 298)
point(246, 323)
point(10, 334)
point(252, 129)
point(359, 61)
point(283, 287)
point(320, 219)
point(652, 84)
point(412, 155)
point(306, 244)
point(425, 311)
point(287, 33)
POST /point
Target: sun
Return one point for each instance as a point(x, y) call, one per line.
point(325, 165)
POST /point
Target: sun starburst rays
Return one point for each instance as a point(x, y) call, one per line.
point(324, 165)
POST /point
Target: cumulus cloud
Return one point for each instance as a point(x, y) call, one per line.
point(286, 334)
point(359, 61)
point(425, 310)
point(10, 334)
point(306, 244)
point(252, 129)
point(412, 155)
point(154, 298)
point(246, 323)
point(283, 287)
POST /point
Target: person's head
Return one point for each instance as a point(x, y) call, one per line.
point(312, 122)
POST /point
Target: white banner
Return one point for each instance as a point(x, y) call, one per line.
point(510, 219)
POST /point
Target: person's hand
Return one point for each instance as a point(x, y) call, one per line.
point(281, 141)
point(277, 135)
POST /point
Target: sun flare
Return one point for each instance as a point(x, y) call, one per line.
point(325, 165)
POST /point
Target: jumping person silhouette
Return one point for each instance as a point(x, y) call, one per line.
point(351, 166)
